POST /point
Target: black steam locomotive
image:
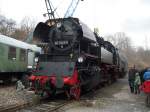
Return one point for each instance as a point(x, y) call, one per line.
point(73, 58)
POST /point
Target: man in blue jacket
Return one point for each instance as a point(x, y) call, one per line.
point(147, 75)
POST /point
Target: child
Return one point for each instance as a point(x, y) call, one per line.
point(137, 83)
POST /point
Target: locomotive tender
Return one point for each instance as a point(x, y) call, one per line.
point(16, 58)
point(73, 58)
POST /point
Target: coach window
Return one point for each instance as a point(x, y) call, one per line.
point(22, 55)
point(12, 53)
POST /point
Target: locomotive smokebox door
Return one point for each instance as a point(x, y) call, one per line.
point(63, 35)
point(59, 82)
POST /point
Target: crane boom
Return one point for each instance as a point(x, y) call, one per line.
point(50, 11)
point(72, 7)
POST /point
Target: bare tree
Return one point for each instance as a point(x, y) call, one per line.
point(123, 42)
point(28, 24)
point(7, 26)
point(111, 39)
point(135, 55)
point(26, 27)
point(19, 34)
point(119, 40)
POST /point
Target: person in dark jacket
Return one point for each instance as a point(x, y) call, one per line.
point(131, 78)
point(142, 75)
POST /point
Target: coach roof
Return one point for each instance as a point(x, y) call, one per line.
point(16, 43)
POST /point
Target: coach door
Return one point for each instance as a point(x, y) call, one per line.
point(31, 56)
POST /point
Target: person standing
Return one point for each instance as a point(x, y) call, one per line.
point(131, 78)
point(137, 83)
point(147, 75)
point(141, 73)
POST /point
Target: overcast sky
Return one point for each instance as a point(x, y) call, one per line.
point(110, 16)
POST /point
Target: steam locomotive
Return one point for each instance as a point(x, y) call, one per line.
point(73, 58)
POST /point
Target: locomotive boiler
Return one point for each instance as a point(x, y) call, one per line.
point(73, 58)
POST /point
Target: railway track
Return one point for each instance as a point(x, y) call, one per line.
point(13, 108)
point(19, 104)
point(7, 85)
point(43, 106)
point(47, 106)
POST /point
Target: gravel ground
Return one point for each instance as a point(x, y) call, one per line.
point(114, 98)
point(9, 96)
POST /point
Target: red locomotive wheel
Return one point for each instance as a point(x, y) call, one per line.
point(75, 92)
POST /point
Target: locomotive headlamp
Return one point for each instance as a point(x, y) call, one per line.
point(58, 25)
point(80, 59)
point(36, 59)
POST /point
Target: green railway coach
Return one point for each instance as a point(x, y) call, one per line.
point(16, 57)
